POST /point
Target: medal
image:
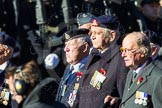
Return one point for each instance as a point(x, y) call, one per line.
point(144, 103)
point(141, 98)
point(76, 86)
point(97, 80)
point(98, 86)
point(63, 90)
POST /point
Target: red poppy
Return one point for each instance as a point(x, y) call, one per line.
point(140, 79)
point(79, 74)
point(103, 71)
point(94, 23)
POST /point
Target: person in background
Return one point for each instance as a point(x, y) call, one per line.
point(7, 45)
point(84, 20)
point(77, 46)
point(29, 90)
point(9, 76)
point(155, 42)
point(104, 73)
point(150, 16)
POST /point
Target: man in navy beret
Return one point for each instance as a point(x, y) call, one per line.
point(106, 74)
point(77, 46)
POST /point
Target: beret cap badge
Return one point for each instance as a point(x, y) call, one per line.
point(94, 23)
point(67, 36)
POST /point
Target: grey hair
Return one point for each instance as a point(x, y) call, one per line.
point(84, 39)
point(108, 32)
point(143, 42)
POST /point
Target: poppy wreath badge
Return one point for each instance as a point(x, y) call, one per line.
point(79, 75)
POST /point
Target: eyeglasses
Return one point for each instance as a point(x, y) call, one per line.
point(125, 50)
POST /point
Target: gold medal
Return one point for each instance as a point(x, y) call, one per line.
point(76, 86)
point(98, 86)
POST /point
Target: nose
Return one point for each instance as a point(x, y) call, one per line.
point(92, 36)
point(123, 54)
point(66, 49)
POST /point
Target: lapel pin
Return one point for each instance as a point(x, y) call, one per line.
point(140, 79)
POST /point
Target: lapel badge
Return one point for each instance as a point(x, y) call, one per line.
point(140, 79)
point(67, 36)
point(79, 75)
point(141, 98)
point(94, 23)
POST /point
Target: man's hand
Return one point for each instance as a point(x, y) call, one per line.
point(111, 100)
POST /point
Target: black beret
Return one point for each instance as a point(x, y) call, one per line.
point(106, 21)
point(7, 40)
point(83, 18)
point(72, 34)
point(143, 2)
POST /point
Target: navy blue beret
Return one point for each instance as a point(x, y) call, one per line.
point(83, 18)
point(7, 40)
point(106, 21)
point(72, 34)
point(149, 1)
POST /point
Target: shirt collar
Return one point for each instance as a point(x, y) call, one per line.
point(141, 67)
point(79, 65)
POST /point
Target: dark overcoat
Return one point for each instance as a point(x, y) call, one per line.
point(112, 62)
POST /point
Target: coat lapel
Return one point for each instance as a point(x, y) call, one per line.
point(130, 90)
point(107, 57)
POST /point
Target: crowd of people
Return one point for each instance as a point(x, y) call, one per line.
point(92, 54)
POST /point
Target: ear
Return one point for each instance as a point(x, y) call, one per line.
point(113, 36)
point(85, 47)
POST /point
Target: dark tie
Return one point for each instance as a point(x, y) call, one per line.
point(134, 75)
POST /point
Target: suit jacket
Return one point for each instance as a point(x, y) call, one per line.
point(69, 82)
point(145, 91)
point(113, 64)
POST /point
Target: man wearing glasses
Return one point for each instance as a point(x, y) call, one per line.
point(142, 90)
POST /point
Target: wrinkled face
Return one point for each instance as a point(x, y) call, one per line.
point(131, 53)
point(74, 50)
point(99, 39)
point(152, 11)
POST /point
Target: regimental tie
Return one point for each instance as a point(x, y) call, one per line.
point(133, 76)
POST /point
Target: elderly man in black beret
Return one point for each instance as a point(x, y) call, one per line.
point(77, 46)
point(106, 72)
